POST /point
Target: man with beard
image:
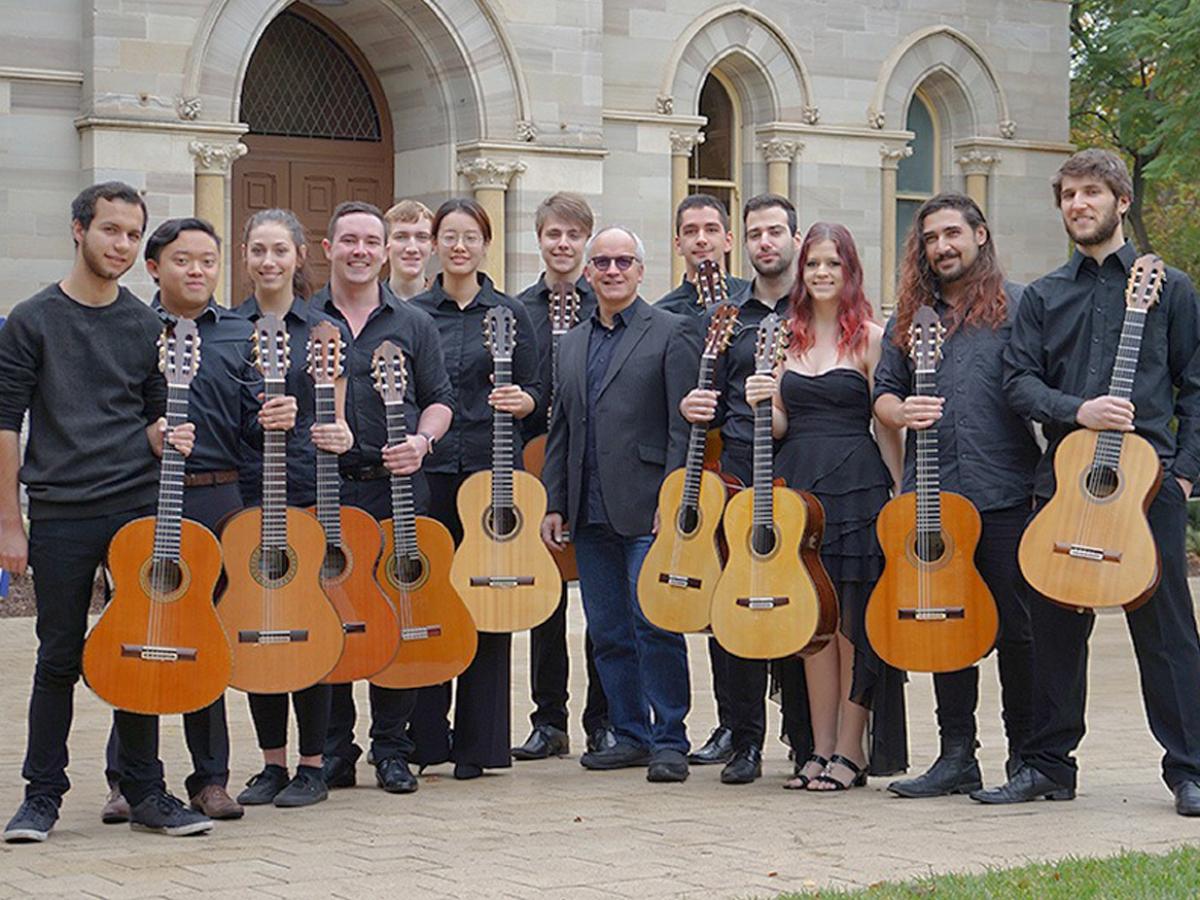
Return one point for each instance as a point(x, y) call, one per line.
point(985, 452)
point(740, 685)
point(1056, 366)
point(701, 234)
point(80, 356)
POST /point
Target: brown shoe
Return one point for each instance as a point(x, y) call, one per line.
point(215, 803)
point(116, 809)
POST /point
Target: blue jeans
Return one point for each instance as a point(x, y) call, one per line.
point(643, 669)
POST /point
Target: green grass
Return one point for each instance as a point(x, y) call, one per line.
point(1130, 874)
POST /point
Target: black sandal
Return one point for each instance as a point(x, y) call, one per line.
point(799, 781)
point(859, 779)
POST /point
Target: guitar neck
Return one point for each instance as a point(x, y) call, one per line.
point(1108, 444)
point(929, 496)
point(170, 481)
point(697, 441)
point(764, 488)
point(555, 337)
point(329, 482)
point(274, 480)
point(502, 445)
point(404, 520)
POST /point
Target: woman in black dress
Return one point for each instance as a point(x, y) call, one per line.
point(821, 413)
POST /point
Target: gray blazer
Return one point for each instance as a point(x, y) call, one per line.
point(642, 435)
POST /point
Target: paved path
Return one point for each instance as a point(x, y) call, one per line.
point(551, 829)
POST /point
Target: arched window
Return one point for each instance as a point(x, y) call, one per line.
point(919, 175)
point(716, 164)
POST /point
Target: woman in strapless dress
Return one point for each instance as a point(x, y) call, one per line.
point(821, 414)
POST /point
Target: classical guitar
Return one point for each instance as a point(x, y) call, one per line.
point(502, 570)
point(437, 634)
point(284, 632)
point(766, 604)
point(159, 648)
point(930, 611)
point(353, 539)
point(681, 568)
point(564, 313)
point(1090, 546)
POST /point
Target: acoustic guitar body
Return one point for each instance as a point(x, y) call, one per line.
point(534, 458)
point(935, 614)
point(682, 566)
point(164, 654)
point(509, 582)
point(810, 555)
point(1088, 551)
point(438, 637)
point(285, 634)
point(369, 622)
point(765, 605)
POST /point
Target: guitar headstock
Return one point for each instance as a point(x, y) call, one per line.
point(564, 308)
point(500, 332)
point(710, 284)
point(179, 352)
point(925, 337)
point(1145, 282)
point(720, 330)
point(271, 354)
point(387, 365)
point(325, 363)
point(770, 344)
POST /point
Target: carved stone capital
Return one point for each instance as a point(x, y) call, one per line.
point(810, 115)
point(484, 172)
point(876, 118)
point(216, 158)
point(977, 162)
point(526, 130)
point(664, 106)
point(683, 144)
point(891, 154)
point(1008, 129)
point(780, 149)
point(188, 108)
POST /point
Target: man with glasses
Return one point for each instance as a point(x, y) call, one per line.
point(616, 433)
point(409, 247)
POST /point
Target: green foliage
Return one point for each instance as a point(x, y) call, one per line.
point(1193, 528)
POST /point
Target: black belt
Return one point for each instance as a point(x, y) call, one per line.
point(209, 479)
point(364, 473)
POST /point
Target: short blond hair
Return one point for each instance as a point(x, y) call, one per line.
point(407, 211)
point(569, 207)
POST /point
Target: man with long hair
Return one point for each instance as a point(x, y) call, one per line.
point(1056, 370)
point(986, 453)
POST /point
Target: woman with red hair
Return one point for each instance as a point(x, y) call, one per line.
point(821, 414)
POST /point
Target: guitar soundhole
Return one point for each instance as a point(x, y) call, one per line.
point(1102, 481)
point(273, 564)
point(930, 547)
point(165, 576)
point(762, 540)
point(689, 519)
point(412, 569)
point(335, 562)
point(502, 522)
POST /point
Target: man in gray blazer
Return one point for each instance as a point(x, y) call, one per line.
point(616, 433)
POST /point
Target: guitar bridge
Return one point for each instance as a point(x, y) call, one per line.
point(420, 632)
point(762, 602)
point(273, 636)
point(931, 613)
point(158, 653)
point(354, 627)
point(1083, 551)
point(501, 581)
point(679, 581)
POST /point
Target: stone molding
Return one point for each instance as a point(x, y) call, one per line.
point(216, 158)
point(188, 108)
point(977, 162)
point(486, 172)
point(780, 149)
point(682, 143)
point(664, 106)
point(890, 155)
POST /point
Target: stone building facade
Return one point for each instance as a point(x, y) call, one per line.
point(856, 110)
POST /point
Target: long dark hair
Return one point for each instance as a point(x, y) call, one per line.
point(854, 309)
point(301, 286)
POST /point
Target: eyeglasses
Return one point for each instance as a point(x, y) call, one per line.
point(470, 239)
point(602, 263)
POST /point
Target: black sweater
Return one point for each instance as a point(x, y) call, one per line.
point(89, 378)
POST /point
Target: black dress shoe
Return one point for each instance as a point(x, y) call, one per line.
point(338, 772)
point(394, 776)
point(262, 788)
point(955, 771)
point(619, 756)
point(716, 750)
point(602, 738)
point(1027, 784)
point(543, 742)
point(1187, 798)
point(305, 789)
point(744, 768)
point(667, 765)
point(467, 771)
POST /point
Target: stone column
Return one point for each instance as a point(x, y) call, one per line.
point(977, 166)
point(682, 145)
point(779, 153)
point(890, 156)
point(214, 161)
point(489, 179)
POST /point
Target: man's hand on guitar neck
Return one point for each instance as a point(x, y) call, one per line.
point(1106, 413)
point(182, 437)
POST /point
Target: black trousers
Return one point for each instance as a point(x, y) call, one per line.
point(1168, 657)
point(958, 692)
point(65, 554)
point(482, 707)
point(391, 709)
point(549, 673)
point(270, 715)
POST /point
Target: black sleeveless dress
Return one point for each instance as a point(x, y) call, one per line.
point(829, 451)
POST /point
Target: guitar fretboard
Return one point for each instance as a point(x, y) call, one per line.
point(929, 498)
point(1108, 444)
point(502, 444)
point(404, 522)
point(329, 482)
point(170, 481)
point(697, 441)
point(764, 491)
point(274, 483)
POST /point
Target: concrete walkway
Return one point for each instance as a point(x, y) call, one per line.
point(551, 829)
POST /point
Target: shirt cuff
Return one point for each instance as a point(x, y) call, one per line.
point(1065, 407)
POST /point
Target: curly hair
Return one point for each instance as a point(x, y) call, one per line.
point(854, 309)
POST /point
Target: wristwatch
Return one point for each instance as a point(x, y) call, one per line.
point(429, 439)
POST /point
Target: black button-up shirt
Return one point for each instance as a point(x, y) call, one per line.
point(301, 452)
point(467, 446)
point(602, 343)
point(536, 298)
point(223, 398)
point(986, 452)
point(684, 300)
point(415, 334)
point(1064, 344)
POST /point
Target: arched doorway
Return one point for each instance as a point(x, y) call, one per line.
point(319, 132)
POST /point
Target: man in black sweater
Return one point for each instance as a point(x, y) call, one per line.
point(80, 357)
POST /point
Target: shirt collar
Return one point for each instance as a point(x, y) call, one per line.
point(620, 320)
point(1124, 256)
point(582, 287)
point(212, 310)
point(297, 311)
point(486, 296)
